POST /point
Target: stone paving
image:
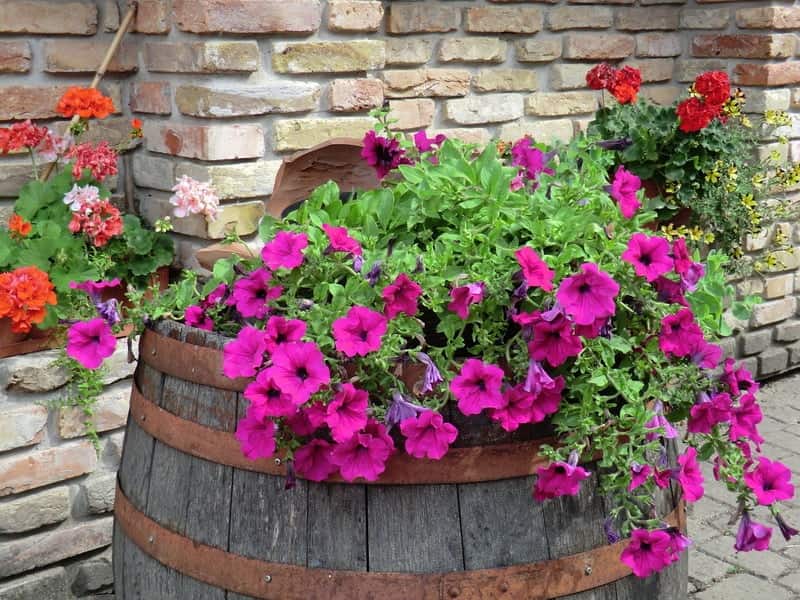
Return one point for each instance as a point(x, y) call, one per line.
point(716, 571)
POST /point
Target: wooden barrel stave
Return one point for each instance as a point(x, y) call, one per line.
point(418, 529)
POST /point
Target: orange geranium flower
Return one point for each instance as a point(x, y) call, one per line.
point(18, 225)
point(24, 295)
point(86, 103)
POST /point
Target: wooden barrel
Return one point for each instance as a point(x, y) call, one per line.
point(195, 520)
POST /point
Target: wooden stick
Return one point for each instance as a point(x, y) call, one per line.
point(101, 70)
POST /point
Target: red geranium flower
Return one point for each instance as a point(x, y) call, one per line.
point(601, 76)
point(714, 86)
point(694, 114)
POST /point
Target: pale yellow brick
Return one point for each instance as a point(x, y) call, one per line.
point(416, 113)
point(555, 104)
point(328, 57)
point(495, 79)
point(299, 134)
point(473, 50)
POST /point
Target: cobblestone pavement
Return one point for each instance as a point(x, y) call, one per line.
point(716, 571)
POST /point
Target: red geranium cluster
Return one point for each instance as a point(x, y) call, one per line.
point(711, 91)
point(623, 83)
point(94, 216)
point(24, 296)
point(86, 103)
point(101, 159)
point(21, 135)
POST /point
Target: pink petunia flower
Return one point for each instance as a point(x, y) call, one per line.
point(623, 189)
point(427, 435)
point(679, 333)
point(517, 183)
point(547, 401)
point(752, 535)
point(90, 342)
point(639, 474)
point(648, 552)
point(554, 341)
point(477, 386)
point(516, 409)
point(770, 481)
point(464, 296)
point(705, 355)
point(401, 296)
point(299, 370)
point(195, 316)
point(359, 332)
point(738, 379)
point(426, 144)
point(533, 160)
point(383, 154)
point(589, 295)
point(280, 330)
point(649, 256)
point(285, 250)
point(708, 412)
point(251, 294)
point(680, 256)
point(659, 426)
point(266, 398)
point(244, 355)
point(95, 289)
point(744, 419)
point(313, 461)
point(689, 475)
point(558, 479)
point(256, 436)
point(340, 241)
point(669, 291)
point(662, 477)
point(534, 269)
point(365, 454)
point(347, 412)
point(307, 419)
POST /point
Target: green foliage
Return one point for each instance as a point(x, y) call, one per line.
point(83, 388)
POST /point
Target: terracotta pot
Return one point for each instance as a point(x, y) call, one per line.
point(653, 189)
point(160, 277)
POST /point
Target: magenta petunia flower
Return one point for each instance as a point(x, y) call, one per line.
point(94, 289)
point(639, 474)
point(426, 144)
point(693, 276)
point(477, 386)
point(648, 551)
point(340, 241)
point(708, 412)
point(347, 412)
point(307, 419)
point(464, 296)
point(662, 477)
point(90, 342)
point(752, 535)
point(589, 295)
point(383, 154)
point(256, 436)
point(280, 330)
point(365, 454)
point(251, 294)
point(554, 341)
point(401, 409)
point(533, 160)
point(195, 316)
point(680, 255)
point(285, 250)
point(516, 409)
point(427, 435)
point(244, 355)
point(216, 296)
point(678, 543)
point(659, 426)
point(669, 291)
point(787, 531)
point(744, 419)
point(313, 461)
point(299, 370)
point(649, 256)
point(558, 479)
point(679, 333)
point(266, 398)
point(623, 189)
point(359, 332)
point(547, 401)
point(534, 269)
point(517, 183)
point(401, 296)
point(770, 481)
point(738, 379)
point(689, 475)
point(705, 355)
point(537, 378)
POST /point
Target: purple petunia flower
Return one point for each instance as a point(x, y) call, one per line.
point(383, 154)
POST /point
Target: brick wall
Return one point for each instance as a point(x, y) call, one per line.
point(229, 88)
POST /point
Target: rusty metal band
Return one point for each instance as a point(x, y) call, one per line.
point(459, 465)
point(186, 361)
point(271, 580)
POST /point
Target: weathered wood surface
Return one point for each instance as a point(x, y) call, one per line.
point(414, 529)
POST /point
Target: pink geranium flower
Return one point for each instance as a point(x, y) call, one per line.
point(251, 294)
point(744, 419)
point(401, 296)
point(534, 269)
point(589, 295)
point(558, 479)
point(427, 435)
point(708, 412)
point(347, 412)
point(285, 250)
point(639, 474)
point(770, 481)
point(90, 342)
point(752, 535)
point(623, 189)
point(464, 296)
point(679, 333)
point(649, 256)
point(680, 256)
point(365, 454)
point(340, 241)
point(299, 370)
point(280, 330)
point(554, 341)
point(313, 461)
point(256, 435)
point(359, 332)
point(648, 552)
point(689, 475)
point(244, 355)
point(266, 398)
point(195, 316)
point(477, 386)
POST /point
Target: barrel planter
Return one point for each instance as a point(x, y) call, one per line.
point(196, 520)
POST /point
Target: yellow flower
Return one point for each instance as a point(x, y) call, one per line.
point(777, 118)
point(748, 201)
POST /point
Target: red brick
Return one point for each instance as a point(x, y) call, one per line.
point(248, 16)
point(500, 19)
point(787, 73)
point(83, 56)
point(31, 102)
point(206, 142)
point(354, 15)
point(45, 16)
point(743, 46)
point(24, 472)
point(771, 17)
point(421, 17)
point(646, 19)
point(598, 46)
point(152, 16)
point(353, 95)
point(15, 57)
point(658, 44)
point(154, 97)
point(412, 114)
